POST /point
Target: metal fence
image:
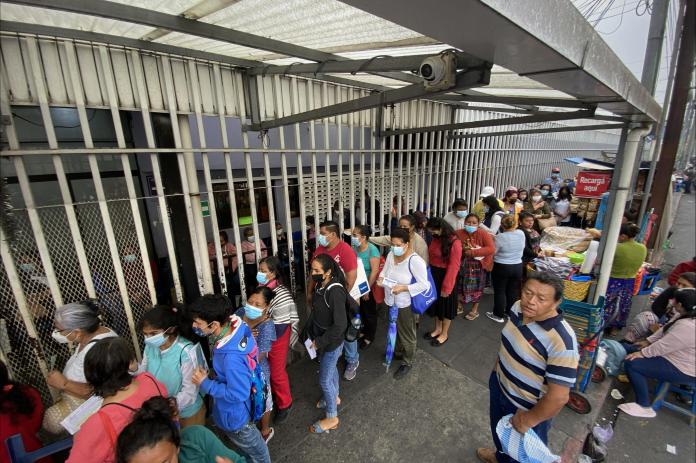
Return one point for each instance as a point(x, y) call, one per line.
point(92, 212)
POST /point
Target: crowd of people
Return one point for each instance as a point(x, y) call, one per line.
point(213, 357)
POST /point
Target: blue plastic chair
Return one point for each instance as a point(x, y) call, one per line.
point(15, 447)
point(664, 388)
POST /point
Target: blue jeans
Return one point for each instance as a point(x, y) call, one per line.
point(250, 443)
point(659, 368)
point(350, 351)
point(328, 379)
point(500, 407)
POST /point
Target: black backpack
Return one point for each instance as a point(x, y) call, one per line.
point(352, 310)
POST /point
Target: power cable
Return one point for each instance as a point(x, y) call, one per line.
point(40, 124)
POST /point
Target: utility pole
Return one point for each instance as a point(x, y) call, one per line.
point(675, 116)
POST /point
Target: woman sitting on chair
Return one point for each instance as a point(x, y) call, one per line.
point(668, 355)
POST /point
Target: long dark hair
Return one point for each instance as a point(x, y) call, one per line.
point(163, 317)
point(446, 235)
point(687, 298)
point(14, 399)
point(564, 193)
point(273, 264)
point(152, 424)
point(327, 263)
point(493, 206)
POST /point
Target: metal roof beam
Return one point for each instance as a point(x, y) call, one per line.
point(465, 79)
point(543, 117)
point(376, 64)
point(577, 128)
point(550, 42)
point(519, 100)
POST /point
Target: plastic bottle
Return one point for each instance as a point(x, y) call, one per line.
point(590, 257)
point(356, 322)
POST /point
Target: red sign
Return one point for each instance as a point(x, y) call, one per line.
point(592, 184)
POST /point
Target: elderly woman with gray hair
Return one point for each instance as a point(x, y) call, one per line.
point(79, 324)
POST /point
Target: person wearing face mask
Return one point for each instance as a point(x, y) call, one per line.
point(561, 208)
point(342, 253)
point(537, 206)
point(549, 195)
point(255, 313)
point(669, 355)
point(555, 182)
point(660, 305)
point(477, 259)
point(445, 259)
point(369, 257)
point(628, 259)
point(457, 217)
point(171, 355)
point(109, 368)
point(511, 205)
point(404, 274)
point(77, 323)
point(234, 351)
point(416, 243)
point(249, 252)
point(326, 329)
point(283, 311)
point(479, 207)
point(154, 436)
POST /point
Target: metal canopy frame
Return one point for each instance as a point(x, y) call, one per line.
point(577, 128)
point(465, 79)
point(543, 117)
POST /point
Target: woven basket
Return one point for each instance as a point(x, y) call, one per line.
point(576, 290)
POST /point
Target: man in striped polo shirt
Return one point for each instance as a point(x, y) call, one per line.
point(537, 364)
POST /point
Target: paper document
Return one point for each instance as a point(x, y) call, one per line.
point(73, 421)
point(310, 349)
point(389, 283)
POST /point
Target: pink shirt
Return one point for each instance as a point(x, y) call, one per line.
point(343, 254)
point(249, 251)
point(227, 250)
point(94, 442)
point(678, 346)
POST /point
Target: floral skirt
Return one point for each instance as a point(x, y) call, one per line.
point(618, 300)
point(472, 280)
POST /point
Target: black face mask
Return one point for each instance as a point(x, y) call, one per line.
point(317, 278)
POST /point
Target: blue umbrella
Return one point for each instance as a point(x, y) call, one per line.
point(391, 335)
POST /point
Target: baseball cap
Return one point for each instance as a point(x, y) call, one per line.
point(487, 191)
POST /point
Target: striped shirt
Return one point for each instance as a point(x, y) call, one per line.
point(533, 355)
point(282, 308)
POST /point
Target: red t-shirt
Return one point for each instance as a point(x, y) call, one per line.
point(94, 441)
point(26, 425)
point(343, 254)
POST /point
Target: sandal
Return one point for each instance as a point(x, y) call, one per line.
point(322, 404)
point(317, 429)
point(471, 316)
point(268, 436)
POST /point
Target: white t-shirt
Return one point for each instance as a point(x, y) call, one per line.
point(400, 274)
point(75, 367)
point(562, 208)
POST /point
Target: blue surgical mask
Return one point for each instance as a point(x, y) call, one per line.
point(129, 258)
point(261, 278)
point(323, 240)
point(355, 241)
point(544, 192)
point(462, 214)
point(156, 340)
point(470, 228)
point(251, 312)
point(398, 251)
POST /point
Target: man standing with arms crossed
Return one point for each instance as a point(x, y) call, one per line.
point(537, 364)
point(329, 242)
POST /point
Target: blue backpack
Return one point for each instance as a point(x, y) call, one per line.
point(259, 387)
point(422, 301)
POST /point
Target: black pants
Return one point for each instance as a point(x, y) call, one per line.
point(506, 287)
point(368, 313)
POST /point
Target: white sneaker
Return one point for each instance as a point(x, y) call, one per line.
point(492, 316)
point(637, 410)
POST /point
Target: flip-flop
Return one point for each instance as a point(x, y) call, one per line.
point(317, 429)
point(471, 316)
point(269, 436)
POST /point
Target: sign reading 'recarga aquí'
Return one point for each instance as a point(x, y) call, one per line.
point(592, 184)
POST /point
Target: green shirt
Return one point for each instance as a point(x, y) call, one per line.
point(629, 256)
point(365, 257)
point(200, 445)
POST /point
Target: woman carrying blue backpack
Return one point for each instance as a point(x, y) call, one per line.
point(404, 276)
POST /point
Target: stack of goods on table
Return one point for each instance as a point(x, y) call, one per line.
point(585, 208)
point(569, 253)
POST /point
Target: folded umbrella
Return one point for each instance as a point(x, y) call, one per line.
point(391, 335)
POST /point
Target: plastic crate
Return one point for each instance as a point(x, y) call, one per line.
point(648, 282)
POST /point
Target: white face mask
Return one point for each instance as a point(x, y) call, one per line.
point(536, 198)
point(251, 239)
point(59, 337)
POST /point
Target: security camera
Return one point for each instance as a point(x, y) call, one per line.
point(439, 72)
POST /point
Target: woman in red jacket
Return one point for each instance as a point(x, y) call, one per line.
point(478, 248)
point(21, 412)
point(445, 256)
